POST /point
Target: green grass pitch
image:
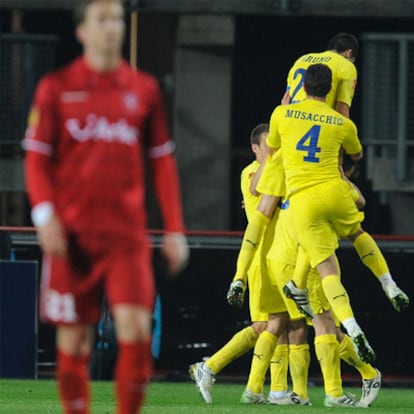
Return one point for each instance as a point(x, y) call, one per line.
point(39, 397)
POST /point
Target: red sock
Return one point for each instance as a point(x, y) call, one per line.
point(133, 372)
point(73, 382)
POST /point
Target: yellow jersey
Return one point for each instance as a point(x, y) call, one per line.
point(310, 135)
point(344, 77)
point(272, 180)
point(285, 247)
point(250, 201)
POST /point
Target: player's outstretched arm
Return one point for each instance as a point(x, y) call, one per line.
point(250, 245)
point(286, 99)
point(174, 247)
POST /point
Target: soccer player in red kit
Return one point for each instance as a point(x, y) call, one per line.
point(88, 129)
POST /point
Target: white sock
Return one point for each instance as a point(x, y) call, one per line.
point(278, 394)
point(352, 327)
point(207, 369)
point(386, 280)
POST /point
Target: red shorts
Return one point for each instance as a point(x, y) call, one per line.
point(72, 287)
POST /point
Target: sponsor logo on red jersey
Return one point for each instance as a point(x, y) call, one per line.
point(130, 101)
point(99, 128)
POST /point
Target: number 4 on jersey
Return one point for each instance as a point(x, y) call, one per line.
point(309, 144)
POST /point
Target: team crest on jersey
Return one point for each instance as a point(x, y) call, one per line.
point(130, 101)
point(33, 117)
point(32, 122)
point(353, 83)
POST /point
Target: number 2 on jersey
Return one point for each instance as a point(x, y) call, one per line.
point(309, 144)
point(301, 74)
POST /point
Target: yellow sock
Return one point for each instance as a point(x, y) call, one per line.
point(279, 368)
point(302, 269)
point(262, 354)
point(370, 254)
point(348, 354)
point(299, 360)
point(337, 297)
point(251, 240)
point(238, 345)
point(327, 352)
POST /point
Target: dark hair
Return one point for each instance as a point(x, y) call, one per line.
point(257, 131)
point(79, 10)
point(342, 42)
point(318, 80)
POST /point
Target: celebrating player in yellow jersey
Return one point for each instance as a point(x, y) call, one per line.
point(329, 342)
point(311, 135)
point(281, 259)
point(203, 373)
point(339, 57)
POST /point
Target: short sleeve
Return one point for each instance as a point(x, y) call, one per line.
point(351, 143)
point(347, 83)
point(273, 138)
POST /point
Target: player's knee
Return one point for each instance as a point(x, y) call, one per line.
point(259, 327)
point(297, 331)
point(355, 233)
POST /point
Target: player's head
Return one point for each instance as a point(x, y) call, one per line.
point(256, 135)
point(318, 80)
point(100, 25)
point(258, 141)
point(345, 44)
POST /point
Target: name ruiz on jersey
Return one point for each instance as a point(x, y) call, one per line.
point(98, 128)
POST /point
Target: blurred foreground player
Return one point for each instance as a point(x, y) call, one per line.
point(85, 174)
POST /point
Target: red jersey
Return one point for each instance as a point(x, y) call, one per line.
point(85, 141)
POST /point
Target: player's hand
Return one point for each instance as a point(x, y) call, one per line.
point(286, 99)
point(235, 294)
point(350, 167)
point(175, 251)
point(52, 237)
